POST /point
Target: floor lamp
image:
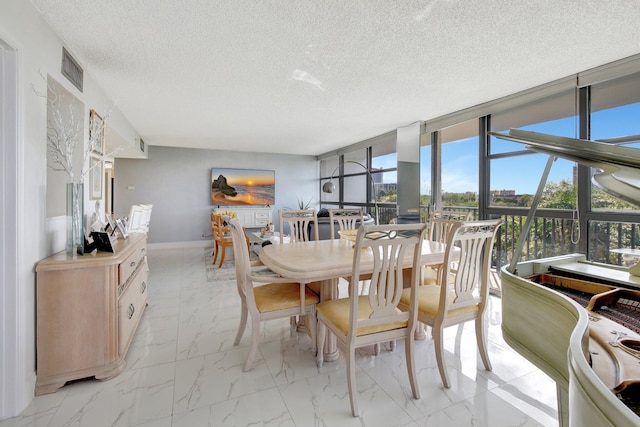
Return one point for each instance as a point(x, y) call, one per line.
point(329, 186)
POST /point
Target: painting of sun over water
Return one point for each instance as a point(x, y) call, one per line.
point(242, 187)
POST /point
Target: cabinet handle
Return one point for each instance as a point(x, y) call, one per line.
point(132, 310)
point(143, 287)
point(133, 264)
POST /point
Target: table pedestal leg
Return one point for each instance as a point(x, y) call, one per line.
point(329, 290)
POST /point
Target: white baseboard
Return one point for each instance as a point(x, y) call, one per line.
point(181, 245)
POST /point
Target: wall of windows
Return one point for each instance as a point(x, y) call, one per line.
point(514, 171)
point(459, 165)
point(463, 167)
point(364, 178)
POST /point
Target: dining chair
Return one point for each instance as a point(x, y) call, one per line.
point(267, 297)
point(362, 320)
point(347, 219)
point(441, 221)
point(222, 239)
point(460, 297)
point(300, 222)
point(440, 224)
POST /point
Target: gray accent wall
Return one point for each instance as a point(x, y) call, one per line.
point(177, 182)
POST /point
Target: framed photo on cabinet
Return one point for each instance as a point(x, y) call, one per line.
point(95, 178)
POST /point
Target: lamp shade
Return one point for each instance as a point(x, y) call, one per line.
point(328, 187)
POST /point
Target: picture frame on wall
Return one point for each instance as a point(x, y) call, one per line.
point(96, 133)
point(95, 178)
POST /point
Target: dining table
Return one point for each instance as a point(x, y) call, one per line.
point(325, 261)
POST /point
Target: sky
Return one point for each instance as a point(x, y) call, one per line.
point(523, 173)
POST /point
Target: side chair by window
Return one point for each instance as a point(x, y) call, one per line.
point(347, 219)
point(301, 224)
point(267, 297)
point(460, 297)
point(440, 224)
point(362, 320)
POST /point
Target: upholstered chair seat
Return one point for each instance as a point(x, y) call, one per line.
point(281, 296)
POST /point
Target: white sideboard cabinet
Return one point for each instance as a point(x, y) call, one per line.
point(88, 309)
point(249, 217)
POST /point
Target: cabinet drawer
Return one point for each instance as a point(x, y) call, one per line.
point(130, 307)
point(263, 215)
point(128, 266)
point(262, 222)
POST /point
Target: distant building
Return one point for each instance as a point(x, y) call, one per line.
point(504, 193)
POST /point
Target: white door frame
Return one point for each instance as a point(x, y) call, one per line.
point(10, 347)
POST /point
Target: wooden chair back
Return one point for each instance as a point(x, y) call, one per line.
point(301, 223)
point(347, 219)
point(469, 247)
point(242, 263)
point(386, 247)
point(441, 222)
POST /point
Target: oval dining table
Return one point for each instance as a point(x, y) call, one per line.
point(326, 261)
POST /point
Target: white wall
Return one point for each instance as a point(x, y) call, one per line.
point(39, 52)
point(177, 181)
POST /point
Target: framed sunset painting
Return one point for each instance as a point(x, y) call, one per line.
point(242, 186)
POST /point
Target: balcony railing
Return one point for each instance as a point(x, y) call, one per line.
point(547, 237)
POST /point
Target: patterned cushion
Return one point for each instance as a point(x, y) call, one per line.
point(337, 311)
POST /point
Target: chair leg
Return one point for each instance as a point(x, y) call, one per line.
point(253, 346)
point(439, 347)
point(293, 325)
point(243, 324)
point(481, 338)
point(312, 328)
point(409, 349)
point(321, 334)
point(216, 250)
point(351, 380)
point(376, 349)
point(224, 250)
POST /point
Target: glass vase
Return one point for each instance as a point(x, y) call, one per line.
point(75, 219)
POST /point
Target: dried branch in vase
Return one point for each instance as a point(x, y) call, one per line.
point(64, 134)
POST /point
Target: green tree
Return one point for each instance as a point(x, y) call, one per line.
point(561, 195)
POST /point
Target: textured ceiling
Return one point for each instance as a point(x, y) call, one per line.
point(307, 77)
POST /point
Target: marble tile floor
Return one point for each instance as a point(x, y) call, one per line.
point(183, 370)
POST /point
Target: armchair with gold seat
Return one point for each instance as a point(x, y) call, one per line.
point(362, 320)
point(460, 297)
point(267, 297)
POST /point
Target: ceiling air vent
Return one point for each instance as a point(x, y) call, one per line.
point(71, 69)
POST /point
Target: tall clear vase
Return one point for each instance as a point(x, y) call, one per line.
point(75, 219)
